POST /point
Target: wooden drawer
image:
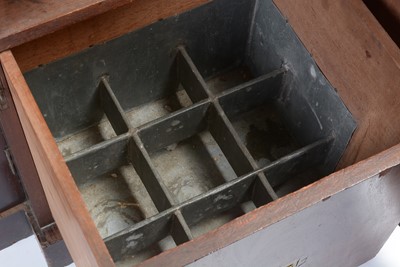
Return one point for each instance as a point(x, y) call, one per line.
point(276, 206)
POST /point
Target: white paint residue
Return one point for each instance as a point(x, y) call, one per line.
point(175, 123)
point(132, 241)
point(222, 197)
point(322, 81)
point(134, 237)
point(131, 244)
point(313, 72)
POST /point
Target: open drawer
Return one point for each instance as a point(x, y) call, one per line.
point(213, 136)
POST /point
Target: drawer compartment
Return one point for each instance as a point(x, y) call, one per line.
point(190, 124)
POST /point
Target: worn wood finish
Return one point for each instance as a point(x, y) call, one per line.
point(69, 211)
point(22, 21)
point(359, 62)
point(340, 231)
point(350, 202)
point(23, 161)
point(98, 29)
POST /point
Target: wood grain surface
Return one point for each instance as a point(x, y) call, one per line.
point(22, 159)
point(98, 29)
point(69, 211)
point(25, 20)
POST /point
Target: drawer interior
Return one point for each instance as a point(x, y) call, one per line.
point(175, 129)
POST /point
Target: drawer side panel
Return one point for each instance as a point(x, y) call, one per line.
point(77, 228)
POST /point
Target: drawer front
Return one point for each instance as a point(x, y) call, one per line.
point(354, 223)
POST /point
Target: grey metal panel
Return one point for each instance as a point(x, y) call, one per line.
point(11, 192)
point(57, 255)
point(14, 228)
point(311, 107)
point(140, 64)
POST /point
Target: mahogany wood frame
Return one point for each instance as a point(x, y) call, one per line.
point(352, 49)
point(22, 159)
point(18, 25)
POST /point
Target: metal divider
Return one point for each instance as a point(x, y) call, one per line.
point(267, 193)
point(224, 134)
point(180, 231)
point(190, 77)
point(96, 160)
point(262, 88)
point(221, 198)
point(175, 127)
point(140, 236)
point(140, 160)
point(298, 161)
point(112, 108)
point(209, 113)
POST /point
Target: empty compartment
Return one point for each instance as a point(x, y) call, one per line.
point(220, 206)
point(229, 78)
point(252, 111)
point(110, 186)
point(145, 239)
point(298, 169)
point(182, 89)
point(214, 112)
point(279, 130)
point(80, 118)
point(185, 154)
